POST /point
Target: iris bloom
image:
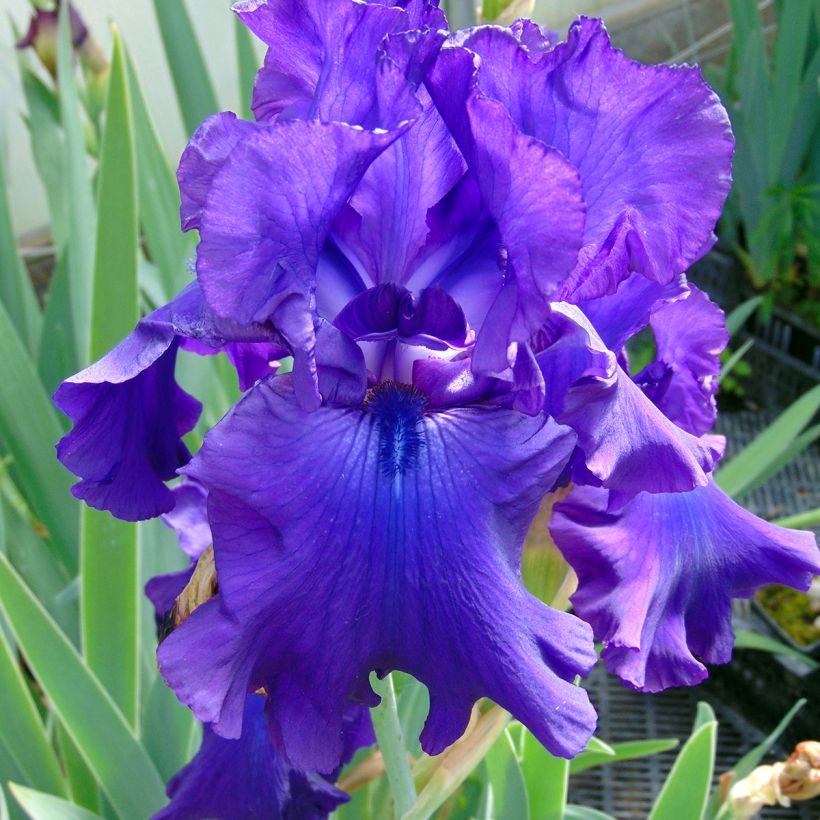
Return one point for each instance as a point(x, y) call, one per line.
point(246, 778)
point(454, 237)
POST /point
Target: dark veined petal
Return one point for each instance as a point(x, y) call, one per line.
point(267, 215)
point(247, 779)
point(656, 580)
point(628, 444)
point(326, 61)
point(383, 537)
point(690, 335)
point(652, 146)
point(130, 415)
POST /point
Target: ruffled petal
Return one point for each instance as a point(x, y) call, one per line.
point(267, 216)
point(628, 444)
point(247, 779)
point(534, 196)
point(618, 316)
point(326, 61)
point(349, 540)
point(130, 415)
point(690, 335)
point(206, 152)
point(656, 580)
point(395, 195)
point(652, 146)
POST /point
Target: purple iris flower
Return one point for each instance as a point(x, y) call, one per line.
point(246, 778)
point(454, 236)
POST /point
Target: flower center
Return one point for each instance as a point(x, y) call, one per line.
point(398, 409)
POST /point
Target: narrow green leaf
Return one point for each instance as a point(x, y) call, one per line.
point(79, 207)
point(574, 812)
point(47, 146)
point(40, 806)
point(16, 291)
point(622, 751)
point(168, 247)
point(110, 587)
point(81, 782)
point(797, 446)
point(705, 714)
point(29, 430)
point(547, 780)
point(801, 521)
point(744, 639)
point(752, 758)
point(684, 794)
point(30, 555)
point(507, 781)
point(195, 93)
point(58, 357)
point(740, 315)
point(4, 809)
point(103, 737)
point(597, 746)
point(247, 64)
point(732, 361)
point(414, 704)
point(22, 729)
point(793, 27)
point(746, 467)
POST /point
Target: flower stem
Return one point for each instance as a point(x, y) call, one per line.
point(391, 744)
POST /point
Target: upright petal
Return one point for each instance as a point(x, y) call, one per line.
point(533, 195)
point(652, 146)
point(349, 540)
point(325, 61)
point(656, 580)
point(266, 218)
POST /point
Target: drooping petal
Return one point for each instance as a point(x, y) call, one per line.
point(690, 335)
point(349, 540)
point(652, 146)
point(130, 415)
point(266, 219)
point(247, 779)
point(656, 580)
point(628, 444)
point(325, 61)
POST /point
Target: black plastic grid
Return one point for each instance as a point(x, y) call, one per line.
point(627, 790)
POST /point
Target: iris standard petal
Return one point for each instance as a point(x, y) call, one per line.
point(533, 195)
point(656, 580)
point(202, 158)
point(130, 415)
point(325, 61)
point(652, 146)
point(247, 779)
point(628, 444)
point(267, 215)
point(382, 537)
